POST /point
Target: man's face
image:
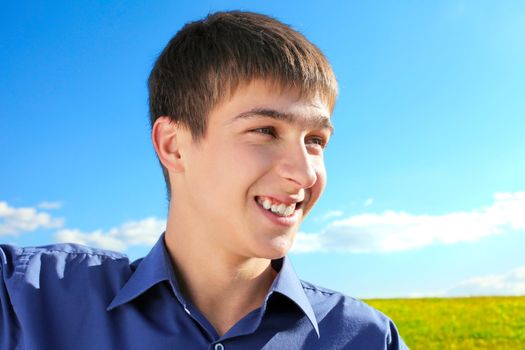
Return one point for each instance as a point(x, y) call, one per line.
point(259, 169)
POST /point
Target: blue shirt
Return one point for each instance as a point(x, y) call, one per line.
point(68, 296)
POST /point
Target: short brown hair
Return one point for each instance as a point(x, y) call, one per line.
point(208, 59)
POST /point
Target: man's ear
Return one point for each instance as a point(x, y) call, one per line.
point(165, 135)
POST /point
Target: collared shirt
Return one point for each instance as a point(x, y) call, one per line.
point(68, 296)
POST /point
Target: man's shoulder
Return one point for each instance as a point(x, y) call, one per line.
point(10, 254)
point(336, 300)
point(48, 291)
point(349, 315)
point(60, 248)
point(61, 261)
point(322, 298)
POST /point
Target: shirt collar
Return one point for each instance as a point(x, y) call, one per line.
point(154, 268)
point(157, 267)
point(288, 284)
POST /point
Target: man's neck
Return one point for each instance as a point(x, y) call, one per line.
point(222, 287)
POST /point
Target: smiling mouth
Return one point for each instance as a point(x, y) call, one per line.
point(279, 209)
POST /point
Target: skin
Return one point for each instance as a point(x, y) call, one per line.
point(260, 141)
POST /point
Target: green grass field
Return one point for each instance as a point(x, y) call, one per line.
point(458, 323)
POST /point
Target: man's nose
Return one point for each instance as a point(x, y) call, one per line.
point(297, 166)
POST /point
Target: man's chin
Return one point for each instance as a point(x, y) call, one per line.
point(277, 248)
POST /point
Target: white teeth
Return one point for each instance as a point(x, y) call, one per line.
point(289, 210)
point(282, 209)
point(279, 209)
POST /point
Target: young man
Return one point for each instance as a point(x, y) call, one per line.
point(240, 109)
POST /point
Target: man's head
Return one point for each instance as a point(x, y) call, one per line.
point(208, 60)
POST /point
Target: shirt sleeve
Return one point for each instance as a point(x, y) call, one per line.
point(9, 325)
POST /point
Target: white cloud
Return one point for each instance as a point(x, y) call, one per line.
point(369, 202)
point(330, 215)
point(508, 283)
point(49, 205)
point(144, 232)
point(396, 231)
point(14, 221)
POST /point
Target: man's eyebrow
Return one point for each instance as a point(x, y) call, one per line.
point(315, 121)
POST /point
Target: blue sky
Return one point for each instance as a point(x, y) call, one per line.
point(426, 170)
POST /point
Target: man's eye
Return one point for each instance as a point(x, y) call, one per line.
point(317, 141)
point(266, 130)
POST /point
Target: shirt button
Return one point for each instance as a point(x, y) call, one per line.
point(219, 346)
